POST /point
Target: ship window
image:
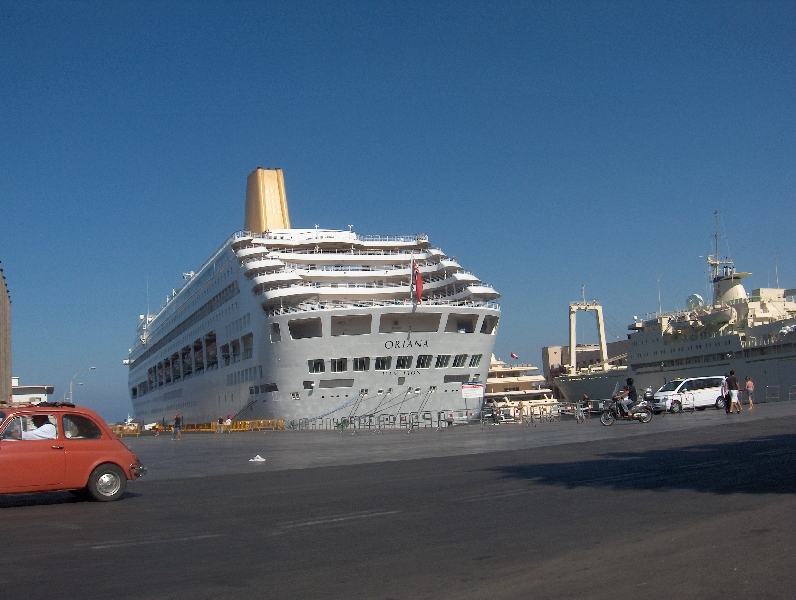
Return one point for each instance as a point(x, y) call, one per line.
point(383, 363)
point(459, 359)
point(336, 383)
point(175, 366)
point(442, 361)
point(185, 353)
point(362, 364)
point(456, 378)
point(423, 361)
point(235, 346)
point(248, 345)
point(198, 356)
point(475, 360)
point(316, 365)
point(305, 328)
point(490, 324)
point(276, 335)
point(134, 393)
point(404, 322)
point(210, 350)
point(268, 387)
point(461, 323)
point(308, 385)
point(403, 362)
point(338, 365)
point(225, 355)
point(351, 325)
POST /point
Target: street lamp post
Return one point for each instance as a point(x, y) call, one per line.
point(73, 380)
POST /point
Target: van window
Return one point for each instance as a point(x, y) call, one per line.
point(688, 386)
point(671, 385)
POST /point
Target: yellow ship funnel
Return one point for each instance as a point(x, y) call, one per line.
point(266, 201)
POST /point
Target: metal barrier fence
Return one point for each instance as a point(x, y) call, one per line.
point(772, 393)
point(386, 421)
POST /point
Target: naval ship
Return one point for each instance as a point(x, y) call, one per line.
point(752, 335)
point(309, 324)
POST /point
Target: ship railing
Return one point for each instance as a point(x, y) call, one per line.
point(419, 237)
point(772, 393)
point(314, 306)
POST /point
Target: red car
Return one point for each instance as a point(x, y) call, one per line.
point(54, 446)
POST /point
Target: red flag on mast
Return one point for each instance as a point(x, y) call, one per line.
point(514, 356)
point(418, 281)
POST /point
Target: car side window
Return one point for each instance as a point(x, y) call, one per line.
point(77, 427)
point(687, 387)
point(31, 427)
point(12, 430)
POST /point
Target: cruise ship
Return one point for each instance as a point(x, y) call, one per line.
point(753, 335)
point(314, 324)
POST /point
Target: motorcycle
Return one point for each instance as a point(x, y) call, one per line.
point(612, 410)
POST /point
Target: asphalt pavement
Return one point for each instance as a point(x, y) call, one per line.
point(694, 506)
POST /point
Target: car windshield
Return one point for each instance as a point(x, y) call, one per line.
point(671, 386)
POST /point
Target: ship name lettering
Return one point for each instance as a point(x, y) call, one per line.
point(394, 345)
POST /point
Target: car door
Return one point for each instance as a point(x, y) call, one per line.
point(27, 465)
point(85, 447)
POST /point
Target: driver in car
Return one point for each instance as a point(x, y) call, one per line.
point(44, 429)
point(628, 396)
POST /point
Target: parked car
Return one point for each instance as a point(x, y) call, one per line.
point(693, 392)
point(54, 446)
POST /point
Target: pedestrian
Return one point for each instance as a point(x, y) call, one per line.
point(586, 405)
point(520, 408)
point(750, 392)
point(229, 425)
point(176, 433)
point(733, 387)
point(220, 424)
point(725, 393)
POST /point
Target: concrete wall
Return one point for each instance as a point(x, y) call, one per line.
point(5, 341)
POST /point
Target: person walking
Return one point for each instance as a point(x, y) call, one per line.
point(750, 392)
point(220, 424)
point(733, 387)
point(229, 425)
point(176, 433)
point(725, 393)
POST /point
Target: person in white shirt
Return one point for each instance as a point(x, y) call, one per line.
point(44, 429)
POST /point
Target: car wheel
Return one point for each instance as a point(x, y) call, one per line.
point(719, 403)
point(107, 482)
point(677, 407)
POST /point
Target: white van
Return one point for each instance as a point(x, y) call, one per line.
point(691, 393)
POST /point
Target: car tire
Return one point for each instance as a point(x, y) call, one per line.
point(676, 407)
point(106, 483)
point(719, 403)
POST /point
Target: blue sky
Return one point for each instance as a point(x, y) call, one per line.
point(545, 145)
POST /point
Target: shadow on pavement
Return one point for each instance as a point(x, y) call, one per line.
point(756, 466)
point(49, 498)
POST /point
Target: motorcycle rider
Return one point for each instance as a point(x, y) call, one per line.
point(627, 397)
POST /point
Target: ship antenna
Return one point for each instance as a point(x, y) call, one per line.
point(147, 302)
point(583, 293)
